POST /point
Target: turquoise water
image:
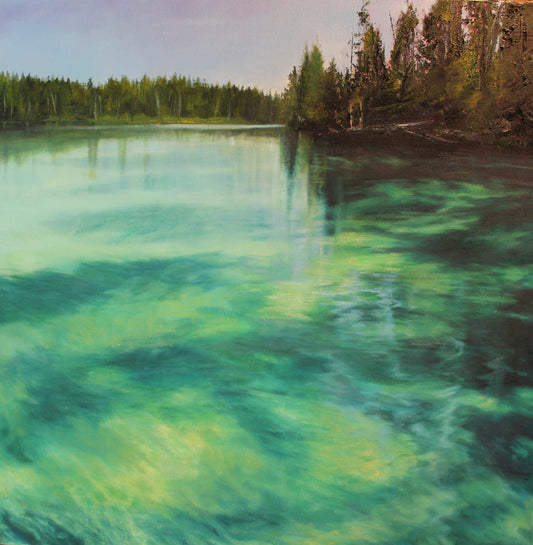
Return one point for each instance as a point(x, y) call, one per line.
point(228, 335)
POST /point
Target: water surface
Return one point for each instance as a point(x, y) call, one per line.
point(232, 335)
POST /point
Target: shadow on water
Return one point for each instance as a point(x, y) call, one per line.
point(348, 362)
point(37, 530)
point(464, 216)
point(42, 294)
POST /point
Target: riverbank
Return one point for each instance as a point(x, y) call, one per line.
point(420, 133)
point(111, 121)
point(416, 133)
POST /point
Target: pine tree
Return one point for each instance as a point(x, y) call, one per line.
point(403, 57)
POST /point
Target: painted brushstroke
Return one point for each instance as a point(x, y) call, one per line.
point(224, 336)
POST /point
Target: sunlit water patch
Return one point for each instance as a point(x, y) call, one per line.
point(235, 336)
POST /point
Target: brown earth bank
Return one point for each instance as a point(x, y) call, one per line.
point(428, 131)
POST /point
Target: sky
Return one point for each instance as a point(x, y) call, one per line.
point(247, 42)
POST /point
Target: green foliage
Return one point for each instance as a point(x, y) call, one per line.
point(29, 99)
point(515, 71)
point(371, 75)
point(467, 64)
point(314, 97)
point(403, 54)
point(369, 72)
point(304, 100)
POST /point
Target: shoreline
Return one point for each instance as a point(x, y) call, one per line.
point(422, 133)
point(426, 133)
point(140, 121)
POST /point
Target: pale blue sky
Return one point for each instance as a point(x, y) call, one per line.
point(250, 42)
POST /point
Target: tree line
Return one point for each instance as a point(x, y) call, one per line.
point(467, 64)
point(26, 98)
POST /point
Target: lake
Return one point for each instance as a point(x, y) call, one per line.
point(231, 335)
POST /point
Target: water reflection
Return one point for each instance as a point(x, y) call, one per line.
point(122, 153)
point(92, 155)
point(243, 336)
point(434, 285)
point(439, 243)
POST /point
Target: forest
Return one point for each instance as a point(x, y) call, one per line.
point(466, 65)
point(30, 99)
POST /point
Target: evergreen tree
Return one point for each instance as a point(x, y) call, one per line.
point(515, 70)
point(371, 76)
point(303, 99)
point(403, 59)
point(289, 108)
point(332, 96)
point(34, 100)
